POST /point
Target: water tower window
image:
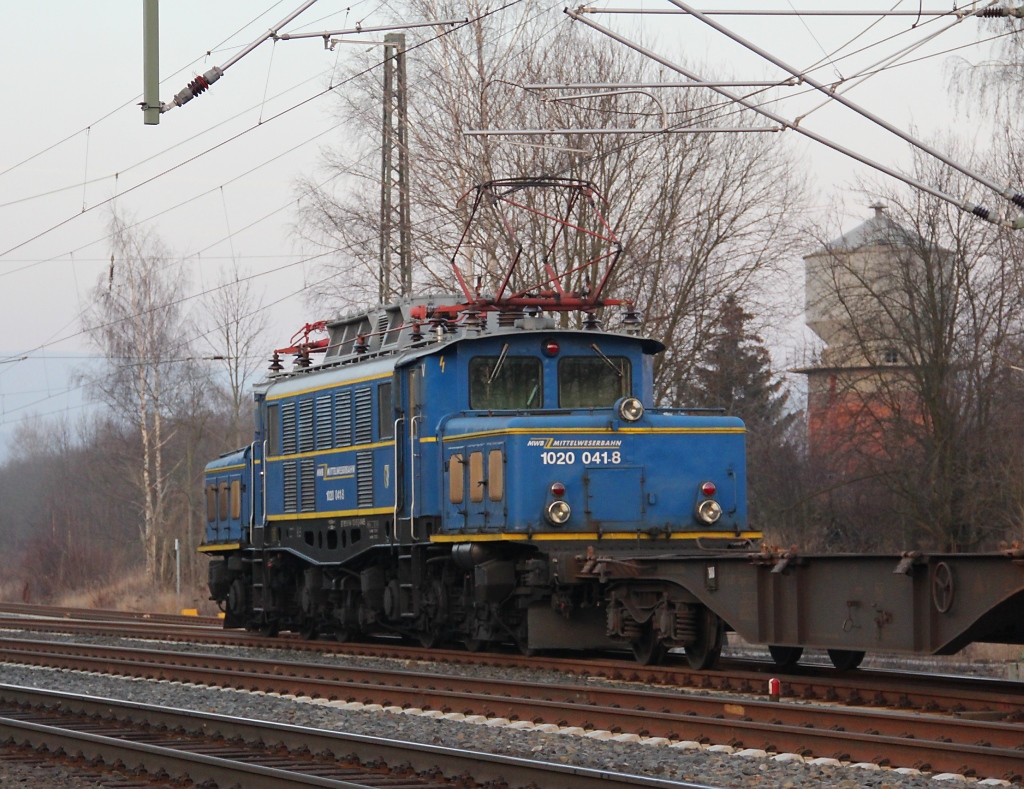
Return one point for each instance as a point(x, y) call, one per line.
point(891, 356)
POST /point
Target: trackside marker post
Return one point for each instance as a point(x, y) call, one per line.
point(774, 689)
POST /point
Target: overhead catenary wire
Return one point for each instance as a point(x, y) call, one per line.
point(483, 15)
point(132, 101)
point(301, 261)
point(879, 66)
point(305, 259)
point(976, 209)
point(881, 12)
point(282, 113)
point(1008, 193)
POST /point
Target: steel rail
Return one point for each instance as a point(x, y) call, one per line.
point(878, 688)
point(103, 615)
point(483, 767)
point(856, 734)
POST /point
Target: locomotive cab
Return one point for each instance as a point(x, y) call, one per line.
point(561, 438)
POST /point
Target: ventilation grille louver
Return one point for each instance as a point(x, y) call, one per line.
point(291, 486)
point(306, 426)
point(343, 419)
point(307, 480)
point(364, 415)
point(288, 429)
point(324, 423)
point(364, 479)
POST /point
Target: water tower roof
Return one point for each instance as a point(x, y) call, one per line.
point(879, 230)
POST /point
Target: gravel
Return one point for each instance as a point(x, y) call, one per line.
point(702, 766)
point(37, 774)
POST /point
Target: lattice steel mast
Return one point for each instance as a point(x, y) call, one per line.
point(395, 231)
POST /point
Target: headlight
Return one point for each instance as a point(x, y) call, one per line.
point(709, 510)
point(630, 409)
point(558, 513)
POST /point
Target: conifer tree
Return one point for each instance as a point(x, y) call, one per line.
point(735, 375)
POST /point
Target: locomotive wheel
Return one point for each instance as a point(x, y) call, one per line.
point(703, 654)
point(236, 599)
point(845, 659)
point(786, 657)
point(648, 649)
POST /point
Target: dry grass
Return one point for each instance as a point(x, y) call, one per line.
point(135, 593)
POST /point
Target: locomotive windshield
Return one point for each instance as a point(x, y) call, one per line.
point(592, 381)
point(498, 383)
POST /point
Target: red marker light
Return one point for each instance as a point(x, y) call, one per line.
point(557, 489)
point(551, 348)
point(708, 488)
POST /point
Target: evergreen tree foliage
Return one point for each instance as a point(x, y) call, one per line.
point(735, 373)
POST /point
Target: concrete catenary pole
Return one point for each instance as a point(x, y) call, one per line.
point(150, 62)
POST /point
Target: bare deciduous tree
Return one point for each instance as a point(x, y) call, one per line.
point(137, 323)
point(923, 309)
point(700, 215)
point(236, 331)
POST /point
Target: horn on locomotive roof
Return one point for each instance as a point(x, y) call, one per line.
point(579, 212)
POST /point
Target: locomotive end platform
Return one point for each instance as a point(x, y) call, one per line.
point(914, 603)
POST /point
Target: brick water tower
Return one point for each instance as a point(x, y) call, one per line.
point(858, 380)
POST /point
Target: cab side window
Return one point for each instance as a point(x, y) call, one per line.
point(504, 383)
point(593, 381)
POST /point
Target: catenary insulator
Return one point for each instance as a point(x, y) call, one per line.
point(198, 85)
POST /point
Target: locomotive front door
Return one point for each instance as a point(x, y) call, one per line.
point(484, 467)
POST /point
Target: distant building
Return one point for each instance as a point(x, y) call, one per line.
point(856, 386)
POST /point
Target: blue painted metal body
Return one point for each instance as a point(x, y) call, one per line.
point(329, 445)
point(618, 476)
point(226, 523)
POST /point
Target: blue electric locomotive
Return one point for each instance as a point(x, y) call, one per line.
point(446, 470)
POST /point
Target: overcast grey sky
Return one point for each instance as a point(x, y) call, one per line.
point(215, 178)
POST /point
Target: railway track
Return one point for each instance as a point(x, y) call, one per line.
point(939, 743)
point(104, 615)
point(173, 745)
point(865, 687)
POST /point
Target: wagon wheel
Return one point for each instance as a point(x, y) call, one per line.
point(786, 657)
point(943, 588)
point(270, 629)
point(429, 639)
point(845, 659)
point(648, 649)
point(473, 644)
point(343, 634)
point(703, 654)
point(309, 631)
